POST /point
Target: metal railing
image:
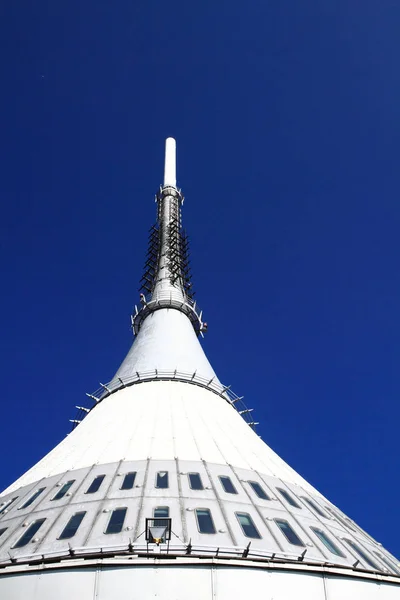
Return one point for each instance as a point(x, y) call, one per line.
point(212, 385)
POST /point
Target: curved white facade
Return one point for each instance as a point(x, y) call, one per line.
point(166, 441)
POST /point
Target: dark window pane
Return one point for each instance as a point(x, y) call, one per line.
point(116, 522)
point(246, 523)
point(159, 512)
point(29, 533)
point(2, 531)
point(162, 479)
point(327, 542)
point(61, 492)
point(195, 481)
point(289, 533)
point(7, 505)
point(227, 485)
point(314, 506)
point(32, 498)
point(387, 562)
point(96, 483)
point(362, 554)
point(72, 526)
point(259, 490)
point(204, 520)
point(129, 481)
point(288, 498)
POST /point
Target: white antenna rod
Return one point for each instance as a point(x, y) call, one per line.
point(170, 163)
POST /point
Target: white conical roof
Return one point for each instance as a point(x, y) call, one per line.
point(166, 439)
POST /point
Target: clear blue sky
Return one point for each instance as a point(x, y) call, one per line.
point(287, 120)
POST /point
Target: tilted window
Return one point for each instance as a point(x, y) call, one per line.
point(247, 525)
point(29, 533)
point(3, 531)
point(95, 485)
point(195, 482)
point(314, 506)
point(204, 520)
point(327, 542)
point(129, 481)
point(162, 480)
point(32, 498)
point(116, 522)
point(362, 554)
point(227, 485)
point(288, 498)
point(258, 490)
point(72, 526)
point(61, 492)
point(289, 532)
point(7, 505)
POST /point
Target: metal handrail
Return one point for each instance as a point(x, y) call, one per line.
point(212, 385)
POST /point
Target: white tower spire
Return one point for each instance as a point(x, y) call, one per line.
point(164, 490)
point(170, 163)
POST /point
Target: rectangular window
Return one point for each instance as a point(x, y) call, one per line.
point(129, 481)
point(387, 562)
point(204, 521)
point(314, 506)
point(29, 533)
point(162, 479)
point(195, 481)
point(247, 525)
point(227, 485)
point(116, 522)
point(327, 542)
point(362, 554)
point(289, 532)
point(63, 490)
point(7, 505)
point(32, 498)
point(288, 498)
point(2, 531)
point(95, 485)
point(159, 512)
point(346, 524)
point(257, 489)
point(72, 526)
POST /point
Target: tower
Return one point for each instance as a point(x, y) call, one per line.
point(164, 490)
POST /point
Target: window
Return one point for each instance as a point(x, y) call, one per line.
point(8, 504)
point(247, 525)
point(362, 554)
point(116, 522)
point(95, 485)
point(327, 542)
point(159, 512)
point(288, 498)
point(72, 526)
point(195, 481)
point(162, 479)
point(227, 485)
point(387, 562)
point(32, 498)
point(129, 481)
point(345, 524)
point(29, 533)
point(257, 489)
point(289, 532)
point(314, 506)
point(2, 531)
point(204, 521)
point(61, 492)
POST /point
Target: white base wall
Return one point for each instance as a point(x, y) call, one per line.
point(184, 582)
